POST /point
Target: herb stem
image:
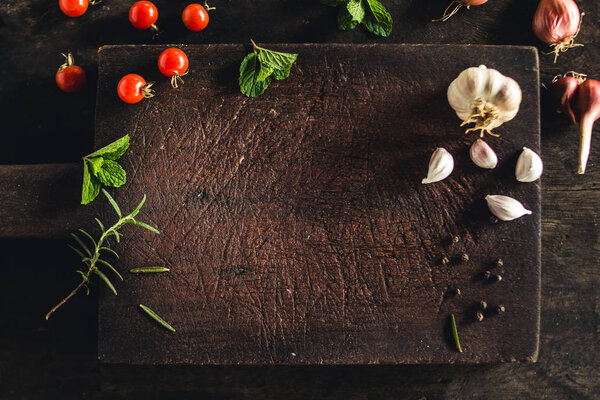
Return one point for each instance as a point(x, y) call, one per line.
point(254, 46)
point(63, 301)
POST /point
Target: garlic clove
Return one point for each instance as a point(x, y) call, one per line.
point(441, 165)
point(529, 166)
point(483, 155)
point(505, 208)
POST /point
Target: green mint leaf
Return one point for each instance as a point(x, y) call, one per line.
point(248, 80)
point(114, 150)
point(112, 174)
point(95, 165)
point(264, 72)
point(356, 9)
point(276, 59)
point(333, 3)
point(280, 74)
point(91, 185)
point(345, 20)
point(377, 20)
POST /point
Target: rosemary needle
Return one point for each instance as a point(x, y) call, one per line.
point(455, 333)
point(157, 317)
point(148, 270)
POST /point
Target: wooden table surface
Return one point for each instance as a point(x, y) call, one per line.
point(58, 359)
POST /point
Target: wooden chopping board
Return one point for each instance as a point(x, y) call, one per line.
point(295, 224)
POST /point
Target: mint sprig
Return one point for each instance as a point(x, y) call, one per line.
point(100, 168)
point(370, 13)
point(260, 67)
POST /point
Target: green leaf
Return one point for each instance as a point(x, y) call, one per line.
point(377, 20)
point(345, 20)
point(276, 59)
point(91, 186)
point(333, 3)
point(112, 174)
point(83, 246)
point(138, 208)
point(113, 203)
point(148, 270)
point(100, 224)
point(144, 225)
point(88, 236)
point(95, 164)
point(356, 9)
point(157, 317)
point(114, 253)
point(111, 267)
point(106, 280)
point(114, 150)
point(248, 80)
point(83, 275)
point(455, 333)
point(280, 74)
point(264, 72)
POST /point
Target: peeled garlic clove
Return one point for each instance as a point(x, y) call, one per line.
point(440, 166)
point(483, 155)
point(505, 208)
point(529, 166)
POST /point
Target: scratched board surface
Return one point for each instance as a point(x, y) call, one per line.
point(295, 225)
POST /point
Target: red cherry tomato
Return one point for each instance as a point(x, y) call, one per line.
point(133, 88)
point(70, 78)
point(173, 61)
point(195, 17)
point(143, 15)
point(73, 8)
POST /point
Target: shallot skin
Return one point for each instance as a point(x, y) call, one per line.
point(587, 111)
point(469, 3)
point(563, 92)
point(555, 20)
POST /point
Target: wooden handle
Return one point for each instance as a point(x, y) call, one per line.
point(41, 201)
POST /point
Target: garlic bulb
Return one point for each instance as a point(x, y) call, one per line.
point(529, 166)
point(441, 165)
point(484, 97)
point(483, 155)
point(505, 208)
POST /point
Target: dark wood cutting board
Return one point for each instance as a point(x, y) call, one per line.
point(295, 225)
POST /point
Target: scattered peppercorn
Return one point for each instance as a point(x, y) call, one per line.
point(500, 309)
point(479, 316)
point(499, 263)
point(464, 257)
point(483, 305)
point(497, 278)
point(445, 260)
point(487, 274)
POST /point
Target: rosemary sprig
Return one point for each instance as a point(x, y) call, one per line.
point(91, 255)
point(455, 333)
point(148, 270)
point(157, 317)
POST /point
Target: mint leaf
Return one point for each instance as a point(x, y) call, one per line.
point(91, 186)
point(114, 150)
point(356, 9)
point(264, 73)
point(112, 174)
point(95, 165)
point(275, 59)
point(280, 74)
point(377, 20)
point(333, 3)
point(248, 80)
point(345, 20)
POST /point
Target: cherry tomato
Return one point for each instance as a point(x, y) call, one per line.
point(195, 17)
point(70, 78)
point(173, 61)
point(133, 88)
point(73, 8)
point(143, 15)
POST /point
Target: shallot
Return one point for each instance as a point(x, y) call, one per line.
point(557, 23)
point(587, 111)
point(449, 12)
point(563, 92)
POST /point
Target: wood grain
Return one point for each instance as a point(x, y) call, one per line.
point(314, 190)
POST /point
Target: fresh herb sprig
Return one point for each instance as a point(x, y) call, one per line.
point(100, 167)
point(91, 253)
point(370, 13)
point(260, 67)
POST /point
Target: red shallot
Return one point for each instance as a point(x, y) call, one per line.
point(563, 92)
point(450, 11)
point(587, 111)
point(557, 23)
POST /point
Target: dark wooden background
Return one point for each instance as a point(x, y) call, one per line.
point(40, 124)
